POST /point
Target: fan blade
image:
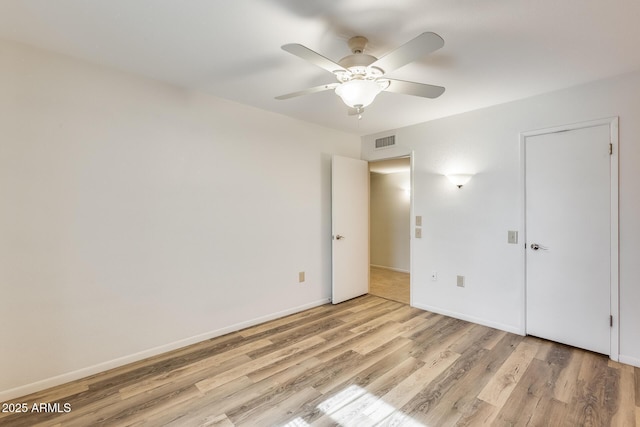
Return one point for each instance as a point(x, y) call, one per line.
point(415, 89)
point(310, 90)
point(313, 57)
point(414, 49)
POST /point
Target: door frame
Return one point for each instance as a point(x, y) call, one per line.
point(612, 122)
point(412, 226)
point(390, 153)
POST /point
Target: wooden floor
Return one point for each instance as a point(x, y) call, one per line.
point(389, 284)
point(368, 361)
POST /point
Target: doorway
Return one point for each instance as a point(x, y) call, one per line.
point(570, 187)
point(389, 232)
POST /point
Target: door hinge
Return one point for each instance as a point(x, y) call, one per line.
point(611, 321)
point(610, 148)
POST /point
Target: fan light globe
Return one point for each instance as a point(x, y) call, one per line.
point(358, 93)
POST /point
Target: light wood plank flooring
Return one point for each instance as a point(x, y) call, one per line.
point(389, 284)
point(368, 361)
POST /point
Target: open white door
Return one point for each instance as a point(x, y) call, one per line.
point(350, 228)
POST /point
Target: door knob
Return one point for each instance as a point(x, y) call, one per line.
point(536, 246)
point(339, 237)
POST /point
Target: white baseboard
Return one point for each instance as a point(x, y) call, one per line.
point(472, 319)
point(389, 268)
point(121, 361)
point(628, 360)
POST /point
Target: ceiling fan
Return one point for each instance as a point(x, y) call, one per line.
point(361, 77)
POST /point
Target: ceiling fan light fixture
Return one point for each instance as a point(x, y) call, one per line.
point(358, 93)
point(361, 76)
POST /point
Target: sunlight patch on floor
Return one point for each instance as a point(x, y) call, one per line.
point(354, 406)
point(296, 422)
point(341, 399)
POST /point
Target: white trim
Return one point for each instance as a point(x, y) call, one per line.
point(412, 226)
point(399, 270)
point(121, 361)
point(523, 246)
point(614, 346)
point(615, 246)
point(628, 360)
point(480, 321)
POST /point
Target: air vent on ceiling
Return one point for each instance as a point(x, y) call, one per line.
point(386, 142)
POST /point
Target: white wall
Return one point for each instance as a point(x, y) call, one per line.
point(137, 216)
point(465, 230)
point(389, 220)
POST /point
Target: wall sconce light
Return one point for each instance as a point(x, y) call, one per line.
point(459, 179)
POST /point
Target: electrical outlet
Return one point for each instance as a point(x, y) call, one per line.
point(301, 277)
point(434, 276)
point(418, 233)
point(460, 281)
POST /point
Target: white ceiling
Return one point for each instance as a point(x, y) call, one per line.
point(495, 50)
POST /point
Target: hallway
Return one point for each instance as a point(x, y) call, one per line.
point(389, 284)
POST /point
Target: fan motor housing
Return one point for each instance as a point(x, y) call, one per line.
point(357, 60)
point(358, 66)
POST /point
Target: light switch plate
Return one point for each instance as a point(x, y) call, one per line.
point(460, 281)
point(418, 220)
point(512, 237)
point(418, 233)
